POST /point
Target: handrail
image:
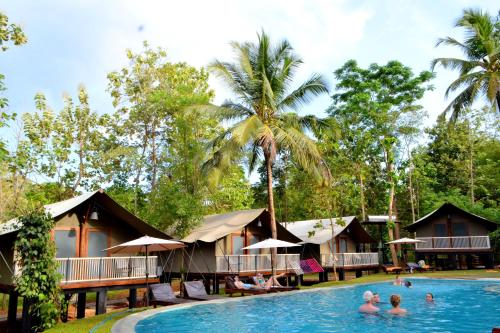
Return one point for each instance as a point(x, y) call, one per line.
point(82, 269)
point(341, 260)
point(454, 242)
point(235, 263)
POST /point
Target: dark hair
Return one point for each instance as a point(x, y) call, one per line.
point(432, 296)
point(408, 284)
point(395, 300)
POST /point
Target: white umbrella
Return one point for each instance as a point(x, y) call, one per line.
point(406, 240)
point(270, 243)
point(145, 244)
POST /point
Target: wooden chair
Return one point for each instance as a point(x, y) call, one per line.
point(392, 269)
point(276, 288)
point(162, 294)
point(230, 288)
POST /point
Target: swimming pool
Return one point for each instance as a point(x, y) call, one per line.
point(460, 306)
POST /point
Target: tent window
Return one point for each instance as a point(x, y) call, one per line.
point(343, 245)
point(440, 230)
point(66, 243)
point(238, 244)
point(97, 242)
point(253, 240)
point(459, 229)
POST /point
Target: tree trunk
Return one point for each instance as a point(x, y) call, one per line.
point(390, 226)
point(471, 164)
point(412, 192)
point(362, 195)
point(270, 202)
point(153, 158)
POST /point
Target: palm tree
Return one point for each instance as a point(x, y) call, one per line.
point(479, 71)
point(262, 121)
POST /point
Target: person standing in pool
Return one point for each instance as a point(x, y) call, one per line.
point(398, 281)
point(396, 310)
point(368, 307)
point(375, 298)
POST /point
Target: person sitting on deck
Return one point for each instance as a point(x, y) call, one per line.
point(396, 310)
point(368, 307)
point(271, 282)
point(240, 285)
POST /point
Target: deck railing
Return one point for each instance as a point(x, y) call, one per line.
point(458, 243)
point(255, 262)
point(349, 259)
point(105, 268)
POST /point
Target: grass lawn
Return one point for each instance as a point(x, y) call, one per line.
point(85, 325)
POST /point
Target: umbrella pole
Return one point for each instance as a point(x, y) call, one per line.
point(147, 275)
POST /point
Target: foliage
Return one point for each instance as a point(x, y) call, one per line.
point(39, 279)
point(261, 124)
point(479, 72)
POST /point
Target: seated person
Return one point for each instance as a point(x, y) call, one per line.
point(368, 307)
point(271, 282)
point(396, 310)
point(240, 285)
point(429, 298)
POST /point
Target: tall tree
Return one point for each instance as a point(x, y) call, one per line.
point(147, 94)
point(374, 103)
point(262, 124)
point(479, 72)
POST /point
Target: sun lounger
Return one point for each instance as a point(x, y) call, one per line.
point(276, 288)
point(195, 290)
point(392, 269)
point(231, 289)
point(162, 294)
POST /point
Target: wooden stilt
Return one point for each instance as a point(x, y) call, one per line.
point(12, 312)
point(26, 318)
point(101, 302)
point(132, 298)
point(80, 308)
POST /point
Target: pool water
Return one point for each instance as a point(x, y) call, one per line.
point(460, 306)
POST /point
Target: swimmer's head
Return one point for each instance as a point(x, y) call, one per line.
point(407, 284)
point(367, 296)
point(429, 297)
point(376, 298)
point(395, 300)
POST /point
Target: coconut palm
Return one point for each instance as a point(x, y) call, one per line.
point(479, 71)
point(262, 121)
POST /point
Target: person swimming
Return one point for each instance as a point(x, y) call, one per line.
point(407, 284)
point(368, 307)
point(429, 298)
point(376, 298)
point(396, 310)
point(398, 281)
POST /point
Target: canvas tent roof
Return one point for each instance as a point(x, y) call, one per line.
point(319, 231)
point(103, 201)
point(448, 207)
point(217, 226)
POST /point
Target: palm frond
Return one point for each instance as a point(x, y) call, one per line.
point(315, 86)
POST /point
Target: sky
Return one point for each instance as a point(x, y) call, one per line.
point(79, 42)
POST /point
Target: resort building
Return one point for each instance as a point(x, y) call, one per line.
point(215, 247)
point(453, 238)
point(84, 227)
point(336, 243)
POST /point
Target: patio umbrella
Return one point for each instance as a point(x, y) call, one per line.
point(145, 244)
point(406, 240)
point(270, 243)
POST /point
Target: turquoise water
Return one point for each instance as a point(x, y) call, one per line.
point(460, 306)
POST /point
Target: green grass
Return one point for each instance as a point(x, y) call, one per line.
point(85, 325)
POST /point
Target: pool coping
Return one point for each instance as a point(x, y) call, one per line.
point(127, 324)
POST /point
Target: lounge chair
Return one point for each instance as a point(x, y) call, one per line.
point(230, 288)
point(162, 294)
point(275, 288)
point(392, 269)
point(195, 290)
point(411, 266)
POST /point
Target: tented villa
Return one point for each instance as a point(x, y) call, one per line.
point(85, 226)
point(336, 242)
point(453, 238)
point(215, 247)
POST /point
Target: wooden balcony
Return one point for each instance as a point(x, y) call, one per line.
point(350, 260)
point(457, 244)
point(254, 263)
point(106, 271)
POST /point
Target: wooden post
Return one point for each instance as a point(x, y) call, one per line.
point(359, 273)
point(12, 311)
point(132, 298)
point(341, 274)
point(80, 307)
point(101, 302)
point(26, 318)
point(64, 311)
